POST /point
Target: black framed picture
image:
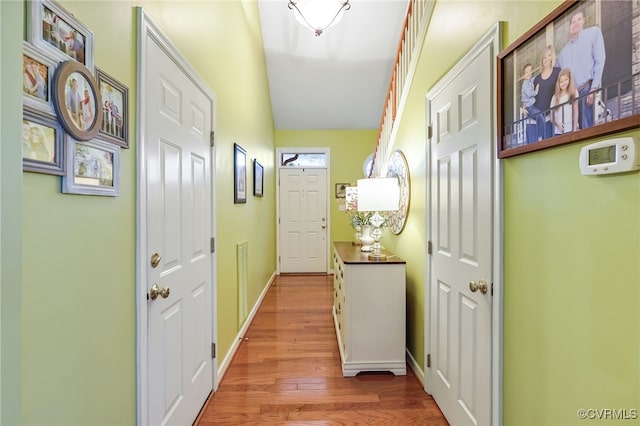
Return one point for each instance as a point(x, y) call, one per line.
point(239, 174)
point(258, 179)
point(77, 101)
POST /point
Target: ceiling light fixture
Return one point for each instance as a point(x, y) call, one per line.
point(318, 14)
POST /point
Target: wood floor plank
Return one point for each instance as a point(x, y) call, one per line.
point(287, 371)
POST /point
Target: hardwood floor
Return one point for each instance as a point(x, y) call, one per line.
point(287, 371)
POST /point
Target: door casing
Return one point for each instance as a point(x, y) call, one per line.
point(492, 39)
point(147, 28)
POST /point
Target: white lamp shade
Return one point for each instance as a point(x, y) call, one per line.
point(378, 194)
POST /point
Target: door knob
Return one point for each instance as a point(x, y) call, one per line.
point(157, 291)
point(324, 226)
point(480, 285)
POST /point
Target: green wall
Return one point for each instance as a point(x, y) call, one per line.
point(78, 287)
point(11, 30)
point(349, 149)
point(572, 244)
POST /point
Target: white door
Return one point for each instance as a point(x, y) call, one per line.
point(177, 168)
point(461, 215)
point(303, 220)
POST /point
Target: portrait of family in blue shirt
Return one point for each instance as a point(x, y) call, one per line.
point(576, 73)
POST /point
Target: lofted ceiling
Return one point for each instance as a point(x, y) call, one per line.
point(338, 80)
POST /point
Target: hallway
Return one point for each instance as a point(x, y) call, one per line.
point(287, 371)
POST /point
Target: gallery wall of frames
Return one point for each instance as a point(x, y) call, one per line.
point(75, 115)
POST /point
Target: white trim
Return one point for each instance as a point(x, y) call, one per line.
point(491, 39)
point(148, 29)
point(415, 367)
point(327, 152)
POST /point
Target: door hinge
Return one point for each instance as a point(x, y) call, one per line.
point(213, 244)
point(491, 289)
point(429, 132)
point(213, 350)
point(428, 360)
point(429, 247)
point(212, 137)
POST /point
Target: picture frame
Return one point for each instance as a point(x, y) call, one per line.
point(92, 168)
point(602, 94)
point(115, 109)
point(239, 174)
point(42, 143)
point(37, 77)
point(77, 101)
point(52, 29)
point(341, 190)
point(258, 179)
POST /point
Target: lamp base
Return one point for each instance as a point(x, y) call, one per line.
point(379, 256)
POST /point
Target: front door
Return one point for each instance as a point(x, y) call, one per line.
point(303, 220)
point(176, 120)
point(461, 214)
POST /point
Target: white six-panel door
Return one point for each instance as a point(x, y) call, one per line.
point(303, 220)
point(178, 175)
point(461, 215)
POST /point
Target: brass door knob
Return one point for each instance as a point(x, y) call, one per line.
point(156, 291)
point(480, 285)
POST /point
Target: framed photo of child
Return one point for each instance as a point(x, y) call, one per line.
point(572, 77)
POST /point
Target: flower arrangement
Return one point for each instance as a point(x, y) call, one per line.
point(357, 219)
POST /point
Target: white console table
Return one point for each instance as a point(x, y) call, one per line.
point(369, 311)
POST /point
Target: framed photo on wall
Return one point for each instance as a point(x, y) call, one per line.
point(42, 143)
point(93, 168)
point(239, 174)
point(37, 75)
point(258, 179)
point(51, 28)
point(115, 109)
point(77, 101)
point(573, 76)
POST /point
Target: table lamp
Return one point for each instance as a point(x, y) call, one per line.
point(378, 195)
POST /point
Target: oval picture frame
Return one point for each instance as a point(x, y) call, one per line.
point(77, 100)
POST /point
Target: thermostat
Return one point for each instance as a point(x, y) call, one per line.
point(610, 156)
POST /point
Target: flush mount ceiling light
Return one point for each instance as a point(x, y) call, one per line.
point(318, 14)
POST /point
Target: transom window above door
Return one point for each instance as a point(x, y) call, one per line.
point(307, 159)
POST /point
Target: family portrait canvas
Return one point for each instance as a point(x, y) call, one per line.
point(576, 75)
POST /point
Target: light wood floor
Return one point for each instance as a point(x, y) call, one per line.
point(287, 371)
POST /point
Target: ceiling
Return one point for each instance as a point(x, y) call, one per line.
point(338, 80)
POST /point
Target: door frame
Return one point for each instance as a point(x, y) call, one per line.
point(148, 29)
point(491, 39)
point(327, 152)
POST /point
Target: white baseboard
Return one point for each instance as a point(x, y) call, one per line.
point(226, 362)
point(413, 364)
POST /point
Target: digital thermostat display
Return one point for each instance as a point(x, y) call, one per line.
point(610, 156)
point(606, 154)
